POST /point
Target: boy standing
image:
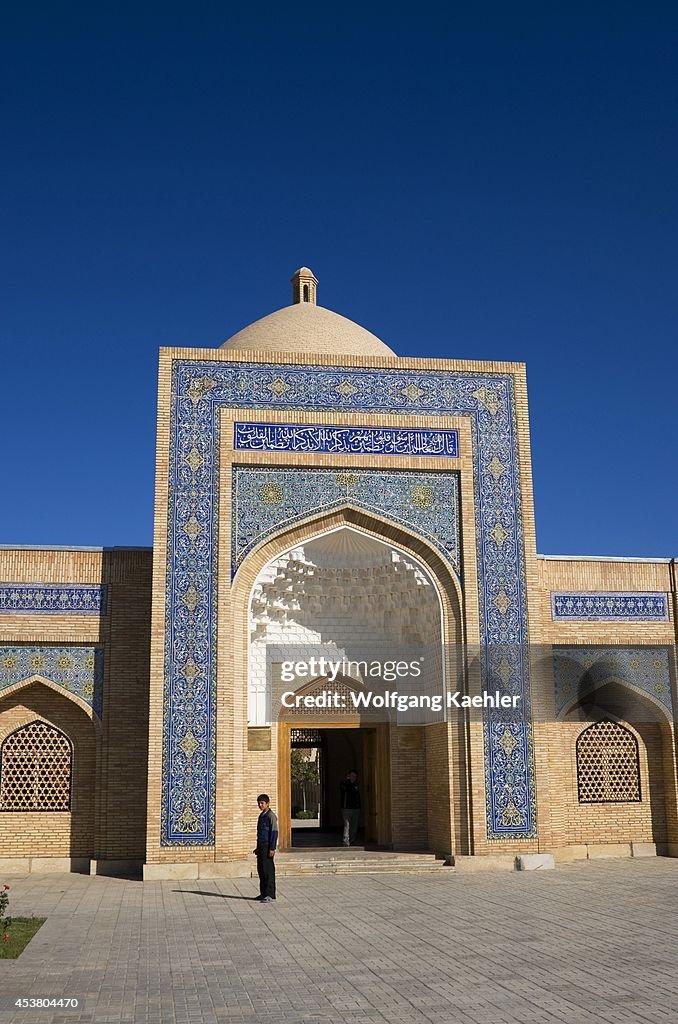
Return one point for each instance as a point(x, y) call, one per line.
point(267, 840)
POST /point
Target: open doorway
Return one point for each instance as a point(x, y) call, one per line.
point(318, 761)
point(307, 771)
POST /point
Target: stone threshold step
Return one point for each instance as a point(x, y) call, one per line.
point(323, 862)
point(376, 858)
point(362, 869)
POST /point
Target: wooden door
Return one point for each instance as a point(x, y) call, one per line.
point(376, 786)
point(284, 808)
point(369, 788)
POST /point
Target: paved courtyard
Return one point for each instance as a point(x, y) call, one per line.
point(589, 942)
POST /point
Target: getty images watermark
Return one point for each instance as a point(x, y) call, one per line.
point(427, 683)
point(366, 699)
point(408, 683)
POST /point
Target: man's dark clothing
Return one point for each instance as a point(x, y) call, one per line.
point(350, 795)
point(267, 839)
point(350, 810)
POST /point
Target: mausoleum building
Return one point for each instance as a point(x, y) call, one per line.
point(317, 496)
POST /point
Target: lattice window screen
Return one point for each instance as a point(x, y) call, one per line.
point(306, 737)
point(35, 770)
point(608, 769)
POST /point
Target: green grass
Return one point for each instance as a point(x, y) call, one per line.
point(21, 931)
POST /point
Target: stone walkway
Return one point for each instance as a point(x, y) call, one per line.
point(588, 942)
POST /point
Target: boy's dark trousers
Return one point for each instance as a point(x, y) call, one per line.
point(266, 872)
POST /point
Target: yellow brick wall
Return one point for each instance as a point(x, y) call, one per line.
point(573, 822)
point(584, 575)
point(44, 833)
point(441, 802)
point(109, 786)
point(564, 821)
point(409, 808)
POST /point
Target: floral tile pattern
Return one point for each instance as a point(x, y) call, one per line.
point(266, 500)
point(610, 607)
point(78, 670)
point(578, 671)
point(52, 599)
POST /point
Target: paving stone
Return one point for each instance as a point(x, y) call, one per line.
point(594, 942)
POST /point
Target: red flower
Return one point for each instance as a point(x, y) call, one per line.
point(6, 937)
point(6, 887)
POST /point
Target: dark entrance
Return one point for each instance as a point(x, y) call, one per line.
point(319, 760)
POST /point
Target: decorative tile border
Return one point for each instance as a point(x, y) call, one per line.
point(200, 389)
point(296, 437)
point(265, 500)
point(610, 607)
point(578, 671)
point(52, 599)
point(78, 670)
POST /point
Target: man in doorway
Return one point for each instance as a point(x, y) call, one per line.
point(350, 806)
point(267, 841)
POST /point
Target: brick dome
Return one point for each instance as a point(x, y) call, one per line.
point(309, 330)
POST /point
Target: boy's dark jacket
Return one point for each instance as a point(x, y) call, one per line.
point(267, 830)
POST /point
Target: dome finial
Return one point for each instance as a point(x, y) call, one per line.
point(304, 284)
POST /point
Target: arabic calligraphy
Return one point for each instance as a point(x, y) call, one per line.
point(294, 437)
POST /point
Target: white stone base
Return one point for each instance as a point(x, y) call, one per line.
point(566, 854)
point(44, 865)
point(535, 862)
point(210, 869)
point(598, 851)
point(491, 862)
point(644, 849)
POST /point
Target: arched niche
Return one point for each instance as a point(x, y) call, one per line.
point(44, 832)
point(345, 595)
point(652, 816)
point(263, 754)
point(31, 680)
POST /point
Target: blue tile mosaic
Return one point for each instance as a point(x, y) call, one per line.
point(578, 671)
point(52, 599)
point(200, 389)
point(610, 607)
point(78, 670)
point(265, 500)
point(297, 437)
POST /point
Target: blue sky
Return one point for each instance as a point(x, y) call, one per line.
point(466, 182)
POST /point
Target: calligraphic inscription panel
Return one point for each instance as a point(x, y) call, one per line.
point(299, 437)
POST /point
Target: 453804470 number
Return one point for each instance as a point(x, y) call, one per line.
point(46, 1003)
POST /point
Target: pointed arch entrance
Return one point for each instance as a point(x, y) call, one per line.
point(340, 584)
